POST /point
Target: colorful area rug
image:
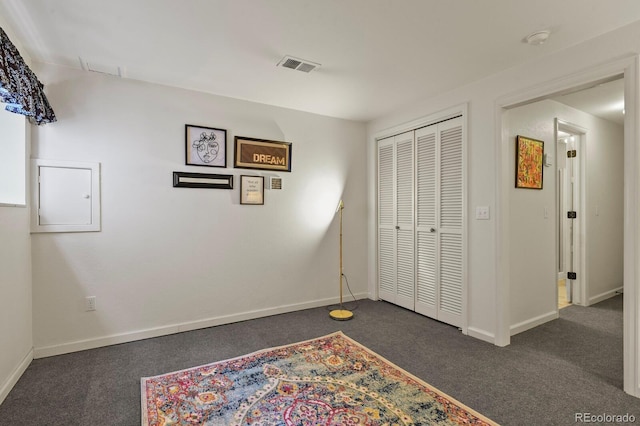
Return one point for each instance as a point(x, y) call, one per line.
point(332, 380)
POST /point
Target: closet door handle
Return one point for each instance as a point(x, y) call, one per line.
point(432, 230)
point(397, 226)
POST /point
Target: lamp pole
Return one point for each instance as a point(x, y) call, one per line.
point(341, 314)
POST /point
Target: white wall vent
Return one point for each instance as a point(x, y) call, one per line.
point(102, 68)
point(298, 64)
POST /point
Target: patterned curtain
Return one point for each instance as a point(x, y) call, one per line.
point(19, 86)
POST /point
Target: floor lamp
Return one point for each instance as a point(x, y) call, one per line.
point(341, 314)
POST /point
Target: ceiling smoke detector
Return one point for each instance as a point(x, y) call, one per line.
point(537, 38)
point(298, 64)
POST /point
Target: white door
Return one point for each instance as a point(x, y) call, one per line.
point(386, 220)
point(440, 219)
point(563, 206)
point(571, 249)
point(65, 196)
point(427, 151)
point(420, 220)
point(395, 220)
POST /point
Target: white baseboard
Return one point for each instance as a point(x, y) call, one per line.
point(533, 322)
point(606, 295)
point(114, 339)
point(481, 334)
point(15, 376)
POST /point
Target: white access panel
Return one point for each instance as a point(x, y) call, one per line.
point(66, 196)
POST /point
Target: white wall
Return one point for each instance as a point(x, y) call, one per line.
point(170, 259)
point(485, 296)
point(16, 340)
point(533, 271)
point(604, 209)
point(532, 234)
point(16, 337)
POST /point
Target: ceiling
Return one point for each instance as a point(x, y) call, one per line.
point(376, 55)
point(604, 100)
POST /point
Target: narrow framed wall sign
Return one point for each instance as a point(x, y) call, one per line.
point(205, 146)
point(251, 153)
point(202, 180)
point(529, 154)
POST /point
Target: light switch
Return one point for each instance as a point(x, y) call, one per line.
point(482, 212)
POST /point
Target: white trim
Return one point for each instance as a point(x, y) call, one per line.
point(629, 67)
point(464, 327)
point(533, 322)
point(423, 121)
point(631, 304)
point(114, 339)
point(15, 376)
point(481, 334)
point(606, 295)
point(582, 237)
point(502, 254)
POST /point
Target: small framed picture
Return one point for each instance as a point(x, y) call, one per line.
point(252, 190)
point(529, 154)
point(205, 146)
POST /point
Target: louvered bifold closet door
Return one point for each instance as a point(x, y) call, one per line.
point(426, 221)
point(450, 230)
point(405, 268)
point(386, 220)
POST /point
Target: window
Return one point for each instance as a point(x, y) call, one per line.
point(13, 159)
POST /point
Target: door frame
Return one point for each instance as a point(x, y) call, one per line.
point(629, 68)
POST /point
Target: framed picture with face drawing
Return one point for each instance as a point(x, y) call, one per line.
point(205, 146)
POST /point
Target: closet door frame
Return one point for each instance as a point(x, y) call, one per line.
point(459, 110)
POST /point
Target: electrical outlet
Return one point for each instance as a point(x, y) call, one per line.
point(90, 303)
point(482, 212)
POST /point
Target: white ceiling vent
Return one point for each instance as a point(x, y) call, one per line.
point(298, 64)
point(102, 68)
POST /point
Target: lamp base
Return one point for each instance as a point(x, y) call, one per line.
point(341, 314)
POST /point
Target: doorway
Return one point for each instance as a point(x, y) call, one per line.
point(628, 216)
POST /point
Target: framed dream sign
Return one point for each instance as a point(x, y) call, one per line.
point(252, 153)
point(529, 154)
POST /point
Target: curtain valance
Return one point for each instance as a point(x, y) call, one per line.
point(19, 86)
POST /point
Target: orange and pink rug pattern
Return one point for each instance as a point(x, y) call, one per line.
point(332, 380)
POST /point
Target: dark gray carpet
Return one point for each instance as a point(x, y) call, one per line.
point(571, 365)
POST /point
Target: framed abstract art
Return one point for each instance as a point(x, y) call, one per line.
point(205, 146)
point(529, 155)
